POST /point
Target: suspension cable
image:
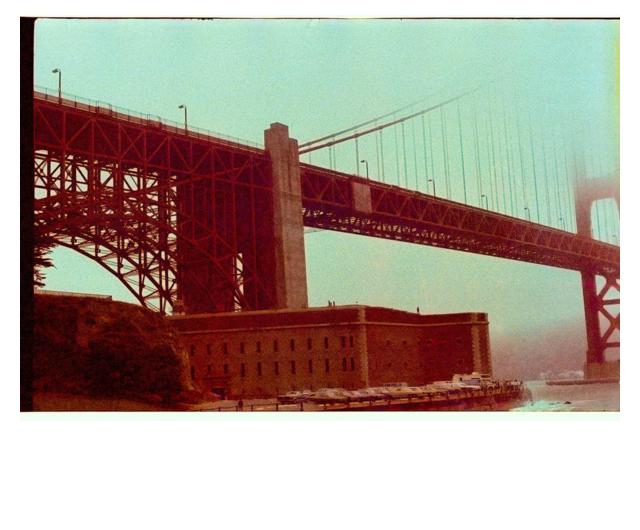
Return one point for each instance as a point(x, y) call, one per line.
point(378, 127)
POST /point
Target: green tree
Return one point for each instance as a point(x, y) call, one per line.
point(42, 246)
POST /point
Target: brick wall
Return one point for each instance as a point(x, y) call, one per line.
point(264, 354)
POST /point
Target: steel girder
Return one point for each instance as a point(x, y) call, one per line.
point(602, 315)
point(405, 215)
point(176, 218)
point(601, 304)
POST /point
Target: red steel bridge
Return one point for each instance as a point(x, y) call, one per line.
point(194, 222)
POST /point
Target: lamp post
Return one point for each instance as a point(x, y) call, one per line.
point(366, 165)
point(185, 117)
point(526, 209)
point(562, 221)
point(486, 200)
point(59, 72)
point(434, 185)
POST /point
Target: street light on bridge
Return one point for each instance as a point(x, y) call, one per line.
point(59, 72)
point(366, 165)
point(185, 117)
point(486, 200)
point(526, 209)
point(434, 185)
point(562, 221)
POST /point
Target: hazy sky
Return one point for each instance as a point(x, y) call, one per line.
point(237, 77)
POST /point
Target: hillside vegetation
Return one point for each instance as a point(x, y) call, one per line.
point(111, 350)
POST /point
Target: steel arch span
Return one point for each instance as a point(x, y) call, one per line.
point(182, 221)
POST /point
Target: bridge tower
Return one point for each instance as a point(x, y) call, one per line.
point(290, 275)
point(598, 301)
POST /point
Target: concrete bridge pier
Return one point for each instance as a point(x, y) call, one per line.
point(290, 265)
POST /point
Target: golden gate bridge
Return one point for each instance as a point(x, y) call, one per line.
point(194, 221)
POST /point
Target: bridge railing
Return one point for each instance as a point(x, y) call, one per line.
point(101, 107)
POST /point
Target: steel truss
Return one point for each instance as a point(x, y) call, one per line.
point(404, 215)
point(600, 309)
point(180, 220)
point(601, 302)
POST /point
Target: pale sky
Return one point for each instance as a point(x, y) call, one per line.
point(237, 77)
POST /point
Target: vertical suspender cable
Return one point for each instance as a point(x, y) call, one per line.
point(546, 181)
point(570, 213)
point(508, 151)
point(433, 167)
point(502, 169)
point(522, 172)
point(377, 157)
point(357, 158)
point(395, 137)
point(490, 165)
point(605, 217)
point(533, 162)
point(493, 152)
point(424, 149)
point(493, 158)
point(478, 161)
point(464, 180)
point(597, 202)
point(445, 153)
point(415, 151)
point(404, 156)
point(559, 201)
point(381, 153)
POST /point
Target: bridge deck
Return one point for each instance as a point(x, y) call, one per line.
point(338, 201)
point(347, 203)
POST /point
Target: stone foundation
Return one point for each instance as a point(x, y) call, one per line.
point(605, 370)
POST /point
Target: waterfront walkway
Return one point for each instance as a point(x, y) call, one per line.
point(457, 399)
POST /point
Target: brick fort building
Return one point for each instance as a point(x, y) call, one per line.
point(266, 353)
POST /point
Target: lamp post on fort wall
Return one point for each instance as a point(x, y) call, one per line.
point(185, 117)
point(59, 72)
point(366, 166)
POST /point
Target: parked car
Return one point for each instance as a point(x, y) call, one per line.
point(402, 392)
point(294, 396)
point(371, 393)
point(357, 395)
point(330, 395)
point(472, 380)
